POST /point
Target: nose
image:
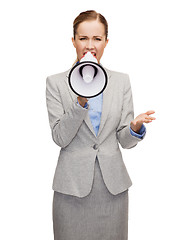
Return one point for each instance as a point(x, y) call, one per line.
point(90, 45)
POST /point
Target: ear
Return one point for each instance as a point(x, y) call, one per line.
point(73, 41)
point(106, 42)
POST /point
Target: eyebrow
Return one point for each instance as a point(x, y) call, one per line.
point(87, 36)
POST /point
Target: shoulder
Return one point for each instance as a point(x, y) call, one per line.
point(119, 77)
point(56, 79)
point(58, 76)
point(116, 74)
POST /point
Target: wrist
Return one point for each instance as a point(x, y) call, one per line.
point(82, 101)
point(135, 127)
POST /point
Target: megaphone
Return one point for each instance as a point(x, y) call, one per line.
point(88, 78)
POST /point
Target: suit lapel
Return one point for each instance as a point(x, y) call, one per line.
point(107, 99)
point(74, 98)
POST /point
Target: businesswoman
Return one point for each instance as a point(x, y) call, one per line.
point(91, 181)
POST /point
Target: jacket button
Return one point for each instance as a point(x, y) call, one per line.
point(95, 146)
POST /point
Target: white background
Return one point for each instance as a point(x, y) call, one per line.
point(147, 41)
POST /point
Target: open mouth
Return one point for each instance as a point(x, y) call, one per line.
point(93, 53)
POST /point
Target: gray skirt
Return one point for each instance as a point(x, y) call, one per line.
point(97, 216)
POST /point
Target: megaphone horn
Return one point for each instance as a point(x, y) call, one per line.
point(88, 72)
point(88, 78)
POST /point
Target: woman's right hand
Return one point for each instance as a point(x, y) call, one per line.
point(82, 100)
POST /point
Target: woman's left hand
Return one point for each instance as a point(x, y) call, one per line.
point(140, 119)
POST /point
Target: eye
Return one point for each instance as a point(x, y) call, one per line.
point(82, 38)
point(98, 39)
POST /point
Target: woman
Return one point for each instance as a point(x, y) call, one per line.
point(91, 182)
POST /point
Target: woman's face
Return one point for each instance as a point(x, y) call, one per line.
point(90, 37)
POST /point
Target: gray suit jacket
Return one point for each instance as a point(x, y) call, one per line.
point(72, 130)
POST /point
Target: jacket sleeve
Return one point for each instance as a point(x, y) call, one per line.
point(124, 136)
point(64, 124)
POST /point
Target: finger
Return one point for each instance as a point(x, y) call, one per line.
point(150, 112)
point(147, 121)
point(150, 118)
